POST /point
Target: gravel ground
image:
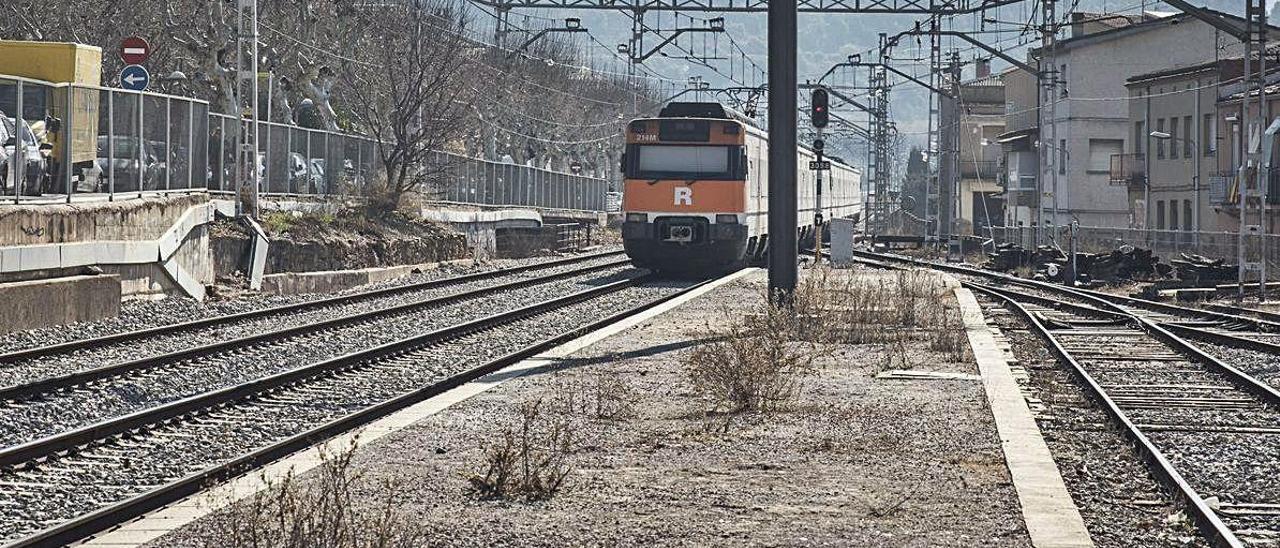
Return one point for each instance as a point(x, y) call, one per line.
point(136, 315)
point(99, 475)
point(115, 397)
point(1122, 504)
point(855, 461)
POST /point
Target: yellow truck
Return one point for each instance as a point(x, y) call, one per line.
point(45, 104)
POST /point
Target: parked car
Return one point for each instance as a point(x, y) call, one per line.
point(29, 150)
point(121, 154)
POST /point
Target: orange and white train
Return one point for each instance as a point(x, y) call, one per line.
point(696, 190)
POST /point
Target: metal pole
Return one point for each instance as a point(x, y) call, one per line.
point(19, 170)
point(1264, 172)
point(168, 144)
point(1241, 173)
point(1195, 177)
point(782, 150)
point(68, 127)
point(817, 204)
point(140, 143)
point(111, 146)
point(191, 145)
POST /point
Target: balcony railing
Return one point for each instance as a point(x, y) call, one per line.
point(1129, 168)
point(979, 169)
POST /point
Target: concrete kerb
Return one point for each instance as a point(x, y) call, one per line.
point(175, 516)
point(1052, 518)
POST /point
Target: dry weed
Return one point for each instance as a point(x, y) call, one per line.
point(603, 396)
point(323, 511)
point(761, 359)
point(532, 459)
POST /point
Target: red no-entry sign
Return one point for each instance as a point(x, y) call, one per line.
point(134, 50)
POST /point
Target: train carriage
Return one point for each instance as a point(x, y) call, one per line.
point(696, 183)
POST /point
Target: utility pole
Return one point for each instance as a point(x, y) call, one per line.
point(782, 151)
point(1049, 77)
point(933, 140)
point(1255, 39)
point(248, 184)
point(948, 133)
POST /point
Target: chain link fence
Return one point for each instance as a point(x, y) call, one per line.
point(63, 142)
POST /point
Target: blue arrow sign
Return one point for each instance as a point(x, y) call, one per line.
point(135, 77)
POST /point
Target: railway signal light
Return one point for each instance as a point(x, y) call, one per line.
point(818, 113)
point(818, 145)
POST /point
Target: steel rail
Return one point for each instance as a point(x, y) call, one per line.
point(108, 516)
point(15, 455)
point(1208, 521)
point(63, 382)
point(104, 340)
point(1257, 323)
point(1240, 378)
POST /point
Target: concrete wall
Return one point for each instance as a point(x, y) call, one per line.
point(133, 219)
point(43, 303)
point(156, 245)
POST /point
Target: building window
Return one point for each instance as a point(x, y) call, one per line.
point(1062, 79)
point(1160, 215)
point(1173, 134)
point(1187, 216)
point(1062, 157)
point(1187, 149)
point(1100, 152)
point(1209, 135)
point(1160, 142)
point(1139, 136)
point(1173, 215)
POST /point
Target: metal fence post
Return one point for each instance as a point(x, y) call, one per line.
point(191, 145)
point(168, 145)
point(68, 127)
point(111, 145)
point(140, 144)
point(306, 163)
point(19, 167)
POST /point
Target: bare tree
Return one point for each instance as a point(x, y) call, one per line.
point(409, 94)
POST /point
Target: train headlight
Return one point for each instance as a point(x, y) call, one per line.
point(727, 219)
point(637, 217)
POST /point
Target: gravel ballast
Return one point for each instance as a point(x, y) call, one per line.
point(135, 315)
point(118, 396)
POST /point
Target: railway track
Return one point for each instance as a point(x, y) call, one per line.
point(1207, 429)
point(50, 404)
point(66, 486)
point(271, 316)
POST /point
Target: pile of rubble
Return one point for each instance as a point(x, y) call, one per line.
point(1203, 270)
point(1047, 263)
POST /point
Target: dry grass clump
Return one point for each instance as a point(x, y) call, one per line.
point(319, 511)
point(761, 359)
point(531, 460)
